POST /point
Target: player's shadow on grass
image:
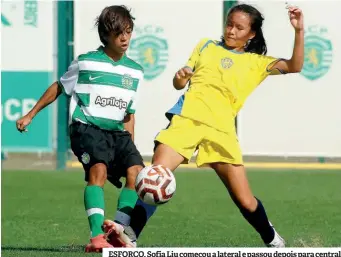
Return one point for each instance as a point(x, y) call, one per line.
point(68, 248)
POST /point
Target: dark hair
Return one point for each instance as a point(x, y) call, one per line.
point(257, 44)
point(116, 19)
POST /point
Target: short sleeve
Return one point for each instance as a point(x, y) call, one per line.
point(69, 80)
point(196, 53)
point(133, 103)
point(265, 66)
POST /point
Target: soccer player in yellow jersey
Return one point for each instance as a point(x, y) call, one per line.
point(222, 74)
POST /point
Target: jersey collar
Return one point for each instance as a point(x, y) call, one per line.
point(101, 49)
point(233, 51)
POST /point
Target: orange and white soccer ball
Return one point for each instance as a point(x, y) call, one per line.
point(155, 184)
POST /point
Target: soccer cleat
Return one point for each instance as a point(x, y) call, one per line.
point(277, 242)
point(97, 244)
point(115, 233)
point(128, 230)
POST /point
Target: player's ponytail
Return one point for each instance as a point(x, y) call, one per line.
point(257, 44)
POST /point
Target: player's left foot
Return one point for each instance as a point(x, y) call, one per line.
point(277, 242)
point(116, 235)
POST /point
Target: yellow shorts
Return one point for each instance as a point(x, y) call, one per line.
point(185, 136)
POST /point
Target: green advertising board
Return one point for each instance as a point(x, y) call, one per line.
point(19, 92)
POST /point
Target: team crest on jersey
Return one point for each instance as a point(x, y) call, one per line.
point(85, 158)
point(150, 49)
point(317, 53)
point(127, 81)
point(226, 63)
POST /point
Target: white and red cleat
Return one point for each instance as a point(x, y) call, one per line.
point(97, 244)
point(115, 235)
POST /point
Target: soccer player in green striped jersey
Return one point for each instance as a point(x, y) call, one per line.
point(103, 87)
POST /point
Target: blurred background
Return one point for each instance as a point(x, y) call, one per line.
point(289, 120)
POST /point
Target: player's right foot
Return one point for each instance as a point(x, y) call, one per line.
point(277, 242)
point(97, 244)
point(117, 235)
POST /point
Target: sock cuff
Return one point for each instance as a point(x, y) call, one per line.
point(122, 218)
point(94, 189)
point(247, 213)
point(259, 204)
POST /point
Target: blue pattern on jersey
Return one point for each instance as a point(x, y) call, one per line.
point(205, 45)
point(176, 109)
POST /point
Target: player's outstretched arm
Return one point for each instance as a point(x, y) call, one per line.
point(48, 97)
point(182, 77)
point(295, 64)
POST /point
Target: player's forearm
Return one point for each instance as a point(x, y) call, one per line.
point(179, 83)
point(297, 59)
point(48, 97)
point(129, 124)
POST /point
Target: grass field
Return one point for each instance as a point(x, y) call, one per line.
point(43, 213)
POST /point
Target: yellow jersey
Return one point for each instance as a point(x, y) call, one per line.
point(221, 82)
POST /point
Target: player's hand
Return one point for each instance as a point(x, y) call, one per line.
point(296, 17)
point(184, 73)
point(23, 122)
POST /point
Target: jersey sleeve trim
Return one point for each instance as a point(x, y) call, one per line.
point(69, 80)
point(205, 45)
point(61, 86)
point(270, 65)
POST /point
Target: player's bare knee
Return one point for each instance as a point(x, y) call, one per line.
point(132, 173)
point(166, 156)
point(98, 174)
point(158, 154)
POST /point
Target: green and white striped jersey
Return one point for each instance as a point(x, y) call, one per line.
point(102, 91)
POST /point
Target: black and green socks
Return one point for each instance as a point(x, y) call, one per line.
point(125, 205)
point(94, 206)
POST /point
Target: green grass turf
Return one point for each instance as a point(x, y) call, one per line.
point(43, 213)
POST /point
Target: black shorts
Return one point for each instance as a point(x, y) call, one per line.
point(115, 149)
